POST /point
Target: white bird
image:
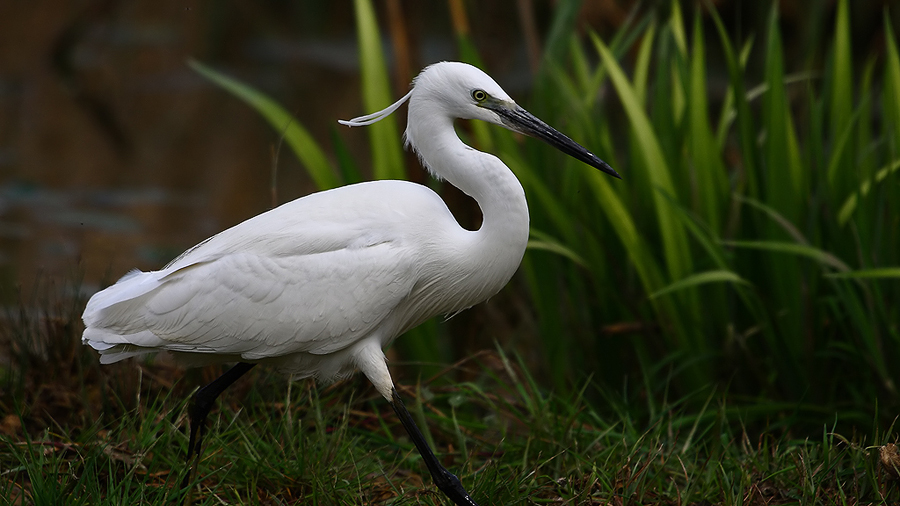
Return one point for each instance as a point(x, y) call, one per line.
point(319, 286)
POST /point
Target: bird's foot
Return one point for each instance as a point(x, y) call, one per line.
point(450, 485)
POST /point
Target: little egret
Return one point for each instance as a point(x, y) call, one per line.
point(319, 286)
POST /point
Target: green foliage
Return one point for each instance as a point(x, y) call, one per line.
point(742, 230)
point(283, 442)
point(753, 241)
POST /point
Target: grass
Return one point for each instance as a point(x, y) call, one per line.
point(81, 433)
point(272, 441)
point(718, 327)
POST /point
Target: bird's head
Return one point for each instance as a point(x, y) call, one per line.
point(459, 90)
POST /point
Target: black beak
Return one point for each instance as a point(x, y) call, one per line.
point(519, 120)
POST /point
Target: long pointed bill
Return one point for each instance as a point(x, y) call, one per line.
point(519, 120)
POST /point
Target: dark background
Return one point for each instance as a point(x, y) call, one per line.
point(115, 155)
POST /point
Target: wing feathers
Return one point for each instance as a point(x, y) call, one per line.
point(311, 277)
point(254, 306)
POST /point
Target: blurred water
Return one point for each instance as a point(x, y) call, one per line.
point(114, 155)
point(48, 229)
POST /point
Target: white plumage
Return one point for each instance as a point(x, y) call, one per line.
point(319, 286)
point(314, 283)
point(314, 276)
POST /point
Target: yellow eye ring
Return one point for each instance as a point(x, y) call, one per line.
point(479, 95)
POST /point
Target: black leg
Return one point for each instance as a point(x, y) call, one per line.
point(203, 402)
point(446, 481)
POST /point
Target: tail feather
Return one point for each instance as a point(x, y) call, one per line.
point(131, 286)
point(107, 318)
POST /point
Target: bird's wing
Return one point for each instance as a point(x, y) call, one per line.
point(314, 275)
point(257, 306)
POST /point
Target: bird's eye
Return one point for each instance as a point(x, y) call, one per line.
point(479, 95)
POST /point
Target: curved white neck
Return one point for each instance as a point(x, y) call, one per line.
point(480, 175)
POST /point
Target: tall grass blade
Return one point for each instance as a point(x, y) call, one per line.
point(782, 177)
point(823, 257)
point(295, 135)
point(679, 73)
point(635, 246)
point(675, 247)
point(785, 181)
point(541, 241)
point(384, 137)
point(840, 171)
point(642, 64)
point(556, 43)
point(892, 88)
point(640, 179)
point(744, 119)
point(839, 163)
point(676, 24)
point(701, 278)
point(709, 171)
point(865, 158)
point(782, 222)
point(849, 206)
point(882, 273)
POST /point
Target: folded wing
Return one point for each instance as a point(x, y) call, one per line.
point(251, 305)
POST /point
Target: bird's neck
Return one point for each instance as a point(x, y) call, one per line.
point(480, 175)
